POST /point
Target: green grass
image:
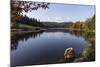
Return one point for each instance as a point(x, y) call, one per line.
point(27, 26)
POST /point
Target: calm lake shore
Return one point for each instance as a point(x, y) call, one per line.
point(64, 40)
point(43, 29)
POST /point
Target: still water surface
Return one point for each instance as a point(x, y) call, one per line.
point(44, 47)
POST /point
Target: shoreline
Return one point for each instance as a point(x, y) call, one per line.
point(43, 29)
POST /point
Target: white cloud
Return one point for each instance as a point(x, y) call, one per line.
point(58, 19)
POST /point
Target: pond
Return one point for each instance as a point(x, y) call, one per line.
point(45, 47)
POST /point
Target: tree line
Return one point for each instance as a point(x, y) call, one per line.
point(30, 21)
point(17, 8)
point(87, 25)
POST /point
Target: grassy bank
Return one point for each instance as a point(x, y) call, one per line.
point(23, 28)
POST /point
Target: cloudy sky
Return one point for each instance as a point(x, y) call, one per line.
point(63, 13)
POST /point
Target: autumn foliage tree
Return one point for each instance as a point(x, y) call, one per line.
point(87, 25)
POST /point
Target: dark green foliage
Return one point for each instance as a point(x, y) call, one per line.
point(88, 54)
point(30, 21)
point(18, 7)
point(15, 26)
point(91, 23)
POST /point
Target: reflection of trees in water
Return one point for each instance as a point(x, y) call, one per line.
point(89, 52)
point(57, 30)
point(88, 36)
point(16, 37)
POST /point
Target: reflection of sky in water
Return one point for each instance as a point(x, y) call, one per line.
point(46, 48)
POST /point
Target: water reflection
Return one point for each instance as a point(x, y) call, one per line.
point(40, 49)
point(88, 36)
point(16, 37)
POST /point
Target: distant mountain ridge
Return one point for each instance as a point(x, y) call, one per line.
point(56, 24)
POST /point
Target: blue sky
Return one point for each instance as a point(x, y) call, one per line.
point(63, 13)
